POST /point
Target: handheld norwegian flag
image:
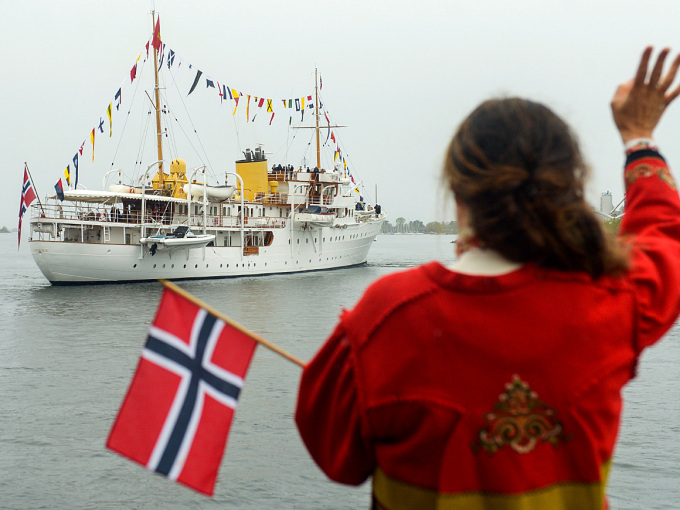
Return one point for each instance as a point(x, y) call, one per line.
point(176, 415)
point(27, 198)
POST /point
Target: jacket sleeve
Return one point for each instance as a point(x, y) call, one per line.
point(652, 222)
point(328, 414)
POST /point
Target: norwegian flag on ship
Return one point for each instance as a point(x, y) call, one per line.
point(27, 198)
point(177, 413)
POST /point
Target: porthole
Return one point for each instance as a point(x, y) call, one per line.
point(154, 266)
point(185, 266)
point(134, 266)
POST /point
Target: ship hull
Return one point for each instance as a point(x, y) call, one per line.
point(86, 263)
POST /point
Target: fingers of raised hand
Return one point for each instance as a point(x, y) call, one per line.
point(641, 74)
point(667, 80)
point(658, 68)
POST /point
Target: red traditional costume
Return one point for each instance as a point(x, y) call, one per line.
point(459, 391)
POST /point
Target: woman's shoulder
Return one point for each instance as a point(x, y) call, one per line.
point(389, 293)
point(403, 284)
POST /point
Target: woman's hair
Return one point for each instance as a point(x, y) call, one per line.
point(518, 169)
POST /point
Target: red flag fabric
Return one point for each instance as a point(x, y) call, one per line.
point(27, 198)
point(157, 35)
point(177, 413)
point(133, 72)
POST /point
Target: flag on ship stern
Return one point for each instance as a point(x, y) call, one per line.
point(177, 413)
point(28, 196)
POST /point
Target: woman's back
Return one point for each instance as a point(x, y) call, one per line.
point(502, 390)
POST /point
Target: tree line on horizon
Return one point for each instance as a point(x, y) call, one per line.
point(402, 226)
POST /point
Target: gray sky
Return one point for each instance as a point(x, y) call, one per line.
point(400, 74)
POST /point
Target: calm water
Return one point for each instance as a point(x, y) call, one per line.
point(67, 355)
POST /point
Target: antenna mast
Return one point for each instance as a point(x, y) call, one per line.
point(316, 111)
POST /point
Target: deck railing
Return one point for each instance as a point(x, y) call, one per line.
point(98, 213)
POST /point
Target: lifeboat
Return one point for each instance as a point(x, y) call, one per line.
point(213, 193)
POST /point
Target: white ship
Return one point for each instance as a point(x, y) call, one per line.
point(271, 219)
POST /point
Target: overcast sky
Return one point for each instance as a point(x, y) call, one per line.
point(399, 74)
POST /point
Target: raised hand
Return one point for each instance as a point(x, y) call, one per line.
point(639, 103)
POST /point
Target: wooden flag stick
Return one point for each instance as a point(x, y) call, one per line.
point(190, 297)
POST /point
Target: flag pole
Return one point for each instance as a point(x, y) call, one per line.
point(169, 285)
point(34, 187)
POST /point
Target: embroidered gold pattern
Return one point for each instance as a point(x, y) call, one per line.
point(634, 172)
point(519, 420)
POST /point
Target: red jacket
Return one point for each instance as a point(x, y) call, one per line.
point(494, 392)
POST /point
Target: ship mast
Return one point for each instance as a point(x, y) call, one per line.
point(159, 133)
point(316, 110)
point(316, 128)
